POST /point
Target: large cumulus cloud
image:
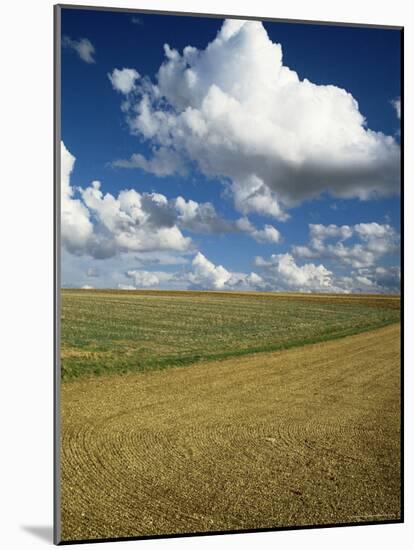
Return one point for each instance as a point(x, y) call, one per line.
point(283, 273)
point(102, 225)
point(371, 242)
point(203, 274)
point(76, 226)
point(338, 258)
point(238, 113)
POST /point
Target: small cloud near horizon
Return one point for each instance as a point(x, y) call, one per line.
point(396, 103)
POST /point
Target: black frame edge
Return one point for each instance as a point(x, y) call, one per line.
point(402, 290)
point(56, 274)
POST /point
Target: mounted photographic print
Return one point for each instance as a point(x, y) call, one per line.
point(228, 239)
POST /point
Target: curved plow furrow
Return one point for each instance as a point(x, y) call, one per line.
point(299, 437)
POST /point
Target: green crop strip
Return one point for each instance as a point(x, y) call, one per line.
point(114, 332)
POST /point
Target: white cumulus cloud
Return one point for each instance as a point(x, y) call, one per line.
point(269, 234)
point(200, 217)
point(83, 47)
point(102, 225)
point(164, 162)
point(202, 274)
point(396, 103)
point(378, 280)
point(283, 273)
point(206, 275)
point(238, 113)
point(371, 242)
point(129, 222)
point(76, 226)
point(123, 80)
point(143, 279)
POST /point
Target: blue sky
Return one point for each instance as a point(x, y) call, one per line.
point(268, 160)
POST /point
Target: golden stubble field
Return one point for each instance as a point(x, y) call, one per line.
point(303, 436)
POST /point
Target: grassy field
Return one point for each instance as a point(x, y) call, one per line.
point(308, 435)
point(118, 331)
